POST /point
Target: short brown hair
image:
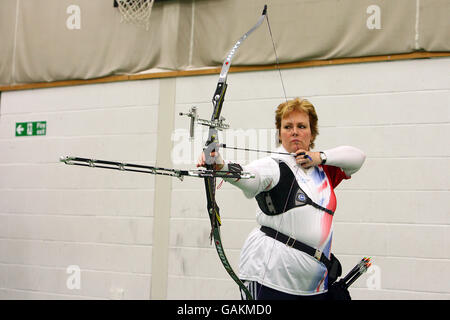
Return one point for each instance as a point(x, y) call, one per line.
point(302, 105)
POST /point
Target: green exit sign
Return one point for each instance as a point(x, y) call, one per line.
point(36, 128)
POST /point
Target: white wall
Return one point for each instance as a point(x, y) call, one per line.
point(396, 209)
point(53, 216)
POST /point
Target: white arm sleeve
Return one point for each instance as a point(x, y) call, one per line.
point(349, 159)
point(267, 175)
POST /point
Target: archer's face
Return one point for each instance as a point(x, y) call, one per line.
point(295, 131)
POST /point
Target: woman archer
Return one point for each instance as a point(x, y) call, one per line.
point(289, 256)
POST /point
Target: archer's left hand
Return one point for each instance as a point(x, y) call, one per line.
point(218, 161)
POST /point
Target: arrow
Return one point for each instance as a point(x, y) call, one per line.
point(19, 129)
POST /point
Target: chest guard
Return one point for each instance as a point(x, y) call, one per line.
point(286, 195)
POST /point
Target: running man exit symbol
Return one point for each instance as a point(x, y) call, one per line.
point(36, 128)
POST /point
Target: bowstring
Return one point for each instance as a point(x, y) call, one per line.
point(298, 167)
point(276, 57)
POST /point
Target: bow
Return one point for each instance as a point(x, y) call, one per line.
point(212, 144)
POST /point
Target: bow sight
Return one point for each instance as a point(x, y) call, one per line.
point(218, 124)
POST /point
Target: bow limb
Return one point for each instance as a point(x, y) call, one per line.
point(212, 144)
